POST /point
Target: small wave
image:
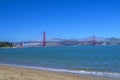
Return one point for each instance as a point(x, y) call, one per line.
point(105, 74)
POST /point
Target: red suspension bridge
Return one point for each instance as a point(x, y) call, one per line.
point(92, 40)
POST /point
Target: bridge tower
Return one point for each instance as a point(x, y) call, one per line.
point(44, 39)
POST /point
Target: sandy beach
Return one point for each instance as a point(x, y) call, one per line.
point(20, 73)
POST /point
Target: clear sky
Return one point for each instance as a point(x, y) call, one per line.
point(26, 19)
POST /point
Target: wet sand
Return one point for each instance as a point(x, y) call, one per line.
point(20, 73)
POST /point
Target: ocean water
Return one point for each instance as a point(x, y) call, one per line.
point(94, 60)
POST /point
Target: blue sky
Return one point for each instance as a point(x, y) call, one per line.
point(26, 19)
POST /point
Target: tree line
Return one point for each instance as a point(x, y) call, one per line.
point(5, 44)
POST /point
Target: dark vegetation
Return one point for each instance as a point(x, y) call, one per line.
point(5, 44)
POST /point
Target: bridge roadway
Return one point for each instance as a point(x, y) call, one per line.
point(53, 41)
point(37, 42)
point(27, 42)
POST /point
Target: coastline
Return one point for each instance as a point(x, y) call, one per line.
point(22, 73)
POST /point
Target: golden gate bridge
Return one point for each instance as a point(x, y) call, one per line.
point(21, 44)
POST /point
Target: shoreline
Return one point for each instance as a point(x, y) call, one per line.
point(76, 72)
point(23, 73)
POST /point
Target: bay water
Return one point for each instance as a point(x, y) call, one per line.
point(95, 60)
